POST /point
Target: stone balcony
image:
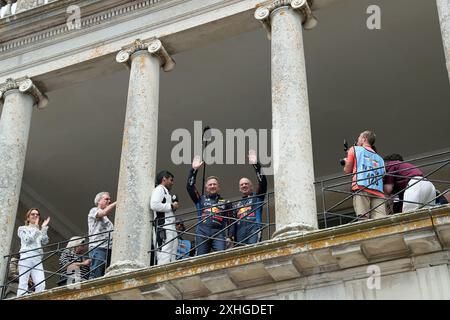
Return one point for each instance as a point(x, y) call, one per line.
point(339, 256)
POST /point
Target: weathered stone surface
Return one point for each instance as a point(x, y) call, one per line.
point(320, 275)
point(250, 275)
point(422, 242)
point(291, 124)
point(443, 7)
point(349, 255)
point(14, 129)
point(133, 235)
point(282, 270)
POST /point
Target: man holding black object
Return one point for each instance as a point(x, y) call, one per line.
point(164, 204)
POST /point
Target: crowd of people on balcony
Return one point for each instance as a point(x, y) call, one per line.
point(220, 224)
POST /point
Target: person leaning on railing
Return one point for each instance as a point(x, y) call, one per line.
point(73, 264)
point(403, 175)
point(367, 181)
point(99, 234)
point(212, 212)
point(32, 238)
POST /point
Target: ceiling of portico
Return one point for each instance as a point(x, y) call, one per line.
point(392, 81)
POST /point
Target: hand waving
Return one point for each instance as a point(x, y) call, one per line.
point(252, 158)
point(46, 221)
point(196, 162)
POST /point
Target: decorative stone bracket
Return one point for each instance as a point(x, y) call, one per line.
point(154, 47)
point(26, 86)
point(301, 6)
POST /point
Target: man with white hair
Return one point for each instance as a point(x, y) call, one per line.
point(100, 228)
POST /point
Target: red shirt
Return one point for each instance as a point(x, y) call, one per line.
point(404, 170)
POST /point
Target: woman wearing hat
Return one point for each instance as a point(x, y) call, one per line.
point(72, 262)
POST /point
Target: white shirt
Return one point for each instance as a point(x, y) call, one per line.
point(31, 238)
point(156, 202)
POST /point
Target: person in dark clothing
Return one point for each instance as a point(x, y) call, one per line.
point(212, 212)
point(249, 210)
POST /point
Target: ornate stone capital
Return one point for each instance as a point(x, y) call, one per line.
point(301, 6)
point(25, 86)
point(154, 47)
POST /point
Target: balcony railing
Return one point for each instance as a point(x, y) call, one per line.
point(336, 195)
point(261, 230)
point(56, 270)
point(336, 210)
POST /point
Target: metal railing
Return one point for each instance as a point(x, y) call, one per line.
point(49, 258)
point(340, 209)
point(335, 212)
point(263, 230)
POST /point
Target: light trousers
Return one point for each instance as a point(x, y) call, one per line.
point(30, 263)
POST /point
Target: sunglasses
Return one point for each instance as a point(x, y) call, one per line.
point(34, 214)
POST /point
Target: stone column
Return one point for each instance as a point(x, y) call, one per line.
point(18, 98)
point(132, 231)
point(295, 200)
point(443, 7)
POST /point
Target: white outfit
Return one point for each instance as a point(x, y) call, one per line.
point(168, 251)
point(422, 191)
point(31, 241)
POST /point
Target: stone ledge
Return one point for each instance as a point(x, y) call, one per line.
point(391, 242)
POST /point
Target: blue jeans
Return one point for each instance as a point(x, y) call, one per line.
point(247, 229)
point(204, 232)
point(100, 258)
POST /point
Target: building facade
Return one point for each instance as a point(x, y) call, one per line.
point(111, 70)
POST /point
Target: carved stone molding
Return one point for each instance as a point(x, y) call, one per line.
point(26, 86)
point(301, 6)
point(153, 46)
point(86, 22)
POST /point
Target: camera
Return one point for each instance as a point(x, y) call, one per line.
point(342, 161)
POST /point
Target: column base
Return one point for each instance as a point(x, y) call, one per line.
point(123, 267)
point(292, 230)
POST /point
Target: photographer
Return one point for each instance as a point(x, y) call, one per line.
point(367, 181)
point(164, 204)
